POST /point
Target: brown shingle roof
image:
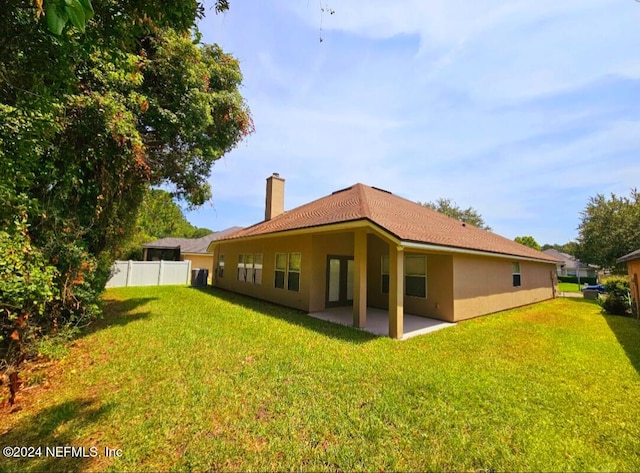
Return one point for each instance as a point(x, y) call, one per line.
point(191, 245)
point(569, 262)
point(407, 220)
point(630, 257)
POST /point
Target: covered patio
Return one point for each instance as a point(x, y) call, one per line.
point(377, 321)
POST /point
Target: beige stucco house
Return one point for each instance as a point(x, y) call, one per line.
point(633, 268)
point(363, 246)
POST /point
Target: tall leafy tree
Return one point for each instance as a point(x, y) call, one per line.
point(568, 248)
point(451, 209)
point(89, 118)
point(529, 241)
point(159, 216)
point(609, 228)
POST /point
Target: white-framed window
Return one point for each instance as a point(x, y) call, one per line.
point(281, 270)
point(287, 271)
point(515, 269)
point(293, 278)
point(384, 270)
point(415, 275)
point(241, 272)
point(257, 268)
point(221, 266)
point(250, 268)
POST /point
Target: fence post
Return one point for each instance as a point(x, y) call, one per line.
point(129, 270)
point(188, 272)
point(160, 272)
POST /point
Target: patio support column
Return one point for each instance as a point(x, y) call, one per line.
point(396, 291)
point(360, 279)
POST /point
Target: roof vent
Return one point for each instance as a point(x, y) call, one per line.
point(381, 190)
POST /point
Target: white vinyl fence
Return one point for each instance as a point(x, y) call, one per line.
point(149, 273)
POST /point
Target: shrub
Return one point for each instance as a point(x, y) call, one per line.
point(26, 288)
point(574, 279)
point(26, 291)
point(617, 300)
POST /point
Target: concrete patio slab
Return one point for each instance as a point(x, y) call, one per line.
point(378, 321)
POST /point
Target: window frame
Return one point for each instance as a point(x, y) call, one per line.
point(385, 278)
point(286, 281)
point(277, 270)
point(297, 271)
point(516, 274)
point(384, 282)
point(241, 269)
point(257, 269)
point(421, 295)
point(247, 263)
point(220, 272)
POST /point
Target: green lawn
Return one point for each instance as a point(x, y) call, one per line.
point(186, 379)
point(569, 287)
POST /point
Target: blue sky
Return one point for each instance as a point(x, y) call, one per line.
point(520, 109)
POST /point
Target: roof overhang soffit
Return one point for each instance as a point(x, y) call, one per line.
point(385, 235)
point(333, 227)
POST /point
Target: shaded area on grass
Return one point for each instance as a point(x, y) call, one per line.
point(119, 313)
point(57, 425)
point(627, 331)
point(292, 316)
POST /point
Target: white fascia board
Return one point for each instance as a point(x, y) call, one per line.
point(464, 251)
point(331, 227)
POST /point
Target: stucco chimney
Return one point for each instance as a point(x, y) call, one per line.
point(274, 203)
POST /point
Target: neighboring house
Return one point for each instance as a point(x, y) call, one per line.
point(570, 266)
point(181, 249)
point(363, 246)
point(633, 268)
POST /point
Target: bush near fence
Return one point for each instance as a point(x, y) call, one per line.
point(574, 279)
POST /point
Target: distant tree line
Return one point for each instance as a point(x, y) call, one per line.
point(453, 210)
point(159, 216)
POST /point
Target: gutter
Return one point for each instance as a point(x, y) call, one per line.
point(464, 251)
point(391, 239)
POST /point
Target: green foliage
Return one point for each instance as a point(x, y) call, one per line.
point(55, 346)
point(58, 12)
point(200, 232)
point(159, 216)
point(569, 287)
point(529, 241)
point(26, 290)
point(617, 300)
point(548, 387)
point(451, 209)
point(574, 279)
point(609, 229)
point(78, 12)
point(568, 248)
point(89, 120)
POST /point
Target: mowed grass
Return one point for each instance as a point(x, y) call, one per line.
point(187, 379)
point(569, 287)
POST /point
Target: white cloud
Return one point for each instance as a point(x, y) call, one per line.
point(496, 104)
